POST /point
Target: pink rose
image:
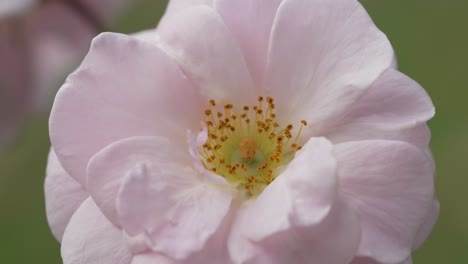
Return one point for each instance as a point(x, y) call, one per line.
point(280, 134)
point(42, 41)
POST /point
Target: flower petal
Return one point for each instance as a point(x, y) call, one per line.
point(418, 135)
point(215, 250)
point(303, 194)
point(202, 44)
point(149, 35)
point(63, 196)
point(394, 100)
point(179, 213)
point(395, 107)
point(146, 185)
point(91, 239)
point(428, 225)
point(125, 87)
point(109, 166)
point(333, 53)
point(334, 240)
point(152, 259)
point(297, 218)
point(251, 28)
point(390, 184)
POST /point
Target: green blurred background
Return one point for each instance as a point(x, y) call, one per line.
point(430, 38)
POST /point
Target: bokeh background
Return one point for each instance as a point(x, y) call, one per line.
point(431, 42)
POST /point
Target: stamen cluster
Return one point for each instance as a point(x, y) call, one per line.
point(247, 146)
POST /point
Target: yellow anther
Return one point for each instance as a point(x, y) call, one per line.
point(236, 136)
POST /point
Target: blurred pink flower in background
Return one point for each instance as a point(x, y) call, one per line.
point(280, 134)
point(40, 43)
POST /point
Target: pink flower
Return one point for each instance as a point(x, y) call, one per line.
point(41, 42)
point(279, 134)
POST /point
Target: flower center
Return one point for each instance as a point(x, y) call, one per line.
point(247, 146)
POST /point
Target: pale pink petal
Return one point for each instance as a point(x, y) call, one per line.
point(320, 64)
point(428, 225)
point(334, 240)
point(195, 142)
point(302, 195)
point(418, 135)
point(390, 185)
point(298, 217)
point(109, 166)
point(250, 21)
point(149, 35)
point(178, 213)
point(63, 196)
point(136, 244)
point(96, 106)
point(152, 259)
point(395, 107)
point(393, 101)
point(215, 250)
point(214, 62)
point(147, 185)
point(91, 239)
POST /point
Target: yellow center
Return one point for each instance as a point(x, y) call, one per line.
point(247, 146)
